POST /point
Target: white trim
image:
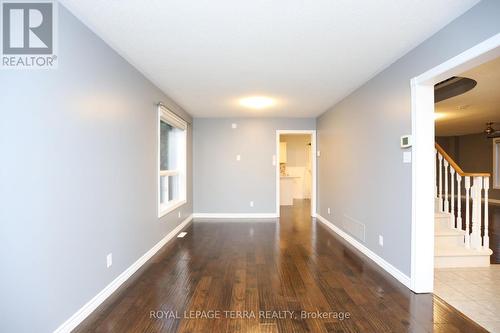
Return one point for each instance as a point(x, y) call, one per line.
point(314, 157)
point(171, 207)
point(171, 118)
point(168, 116)
point(490, 201)
point(234, 215)
point(97, 300)
point(422, 115)
point(396, 273)
point(169, 172)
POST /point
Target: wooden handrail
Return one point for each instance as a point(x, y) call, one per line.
point(456, 167)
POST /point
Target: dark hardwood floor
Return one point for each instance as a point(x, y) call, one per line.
point(494, 232)
point(295, 265)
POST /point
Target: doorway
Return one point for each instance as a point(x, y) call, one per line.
point(295, 162)
point(423, 151)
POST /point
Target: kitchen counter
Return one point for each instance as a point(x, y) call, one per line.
point(288, 186)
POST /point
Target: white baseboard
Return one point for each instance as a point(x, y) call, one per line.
point(91, 305)
point(396, 273)
point(493, 201)
point(235, 216)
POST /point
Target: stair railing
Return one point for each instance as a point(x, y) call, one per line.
point(449, 174)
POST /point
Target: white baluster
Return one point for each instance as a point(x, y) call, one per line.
point(459, 202)
point(467, 211)
point(475, 236)
point(486, 239)
point(452, 180)
point(446, 199)
point(440, 158)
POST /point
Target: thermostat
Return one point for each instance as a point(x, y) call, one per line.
point(406, 141)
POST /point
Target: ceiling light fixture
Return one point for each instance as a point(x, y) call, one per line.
point(490, 132)
point(257, 102)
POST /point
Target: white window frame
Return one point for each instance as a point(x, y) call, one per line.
point(496, 163)
point(172, 119)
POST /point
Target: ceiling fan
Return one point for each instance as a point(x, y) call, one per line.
point(491, 132)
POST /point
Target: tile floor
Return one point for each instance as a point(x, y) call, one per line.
point(473, 291)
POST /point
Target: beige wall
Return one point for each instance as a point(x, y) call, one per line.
point(296, 149)
point(473, 153)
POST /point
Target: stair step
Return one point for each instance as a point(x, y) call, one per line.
point(454, 251)
point(448, 232)
point(460, 256)
point(442, 220)
point(448, 237)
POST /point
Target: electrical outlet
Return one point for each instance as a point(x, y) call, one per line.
point(329, 211)
point(318, 153)
point(234, 125)
point(251, 203)
point(238, 157)
point(380, 240)
point(179, 214)
point(274, 159)
point(109, 260)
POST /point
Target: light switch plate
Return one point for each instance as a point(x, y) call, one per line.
point(238, 157)
point(109, 260)
point(407, 157)
point(234, 125)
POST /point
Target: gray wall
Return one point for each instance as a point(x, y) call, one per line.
point(78, 179)
point(361, 174)
point(224, 185)
point(473, 153)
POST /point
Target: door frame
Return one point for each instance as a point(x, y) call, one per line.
point(312, 133)
point(423, 156)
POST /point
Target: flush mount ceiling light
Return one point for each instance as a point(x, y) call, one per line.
point(257, 102)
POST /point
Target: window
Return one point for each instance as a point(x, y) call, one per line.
point(171, 161)
point(496, 163)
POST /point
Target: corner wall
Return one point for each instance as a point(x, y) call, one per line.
point(361, 176)
point(78, 179)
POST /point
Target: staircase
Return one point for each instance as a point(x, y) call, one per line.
point(461, 239)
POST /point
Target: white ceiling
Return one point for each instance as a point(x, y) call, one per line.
point(468, 113)
point(206, 54)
